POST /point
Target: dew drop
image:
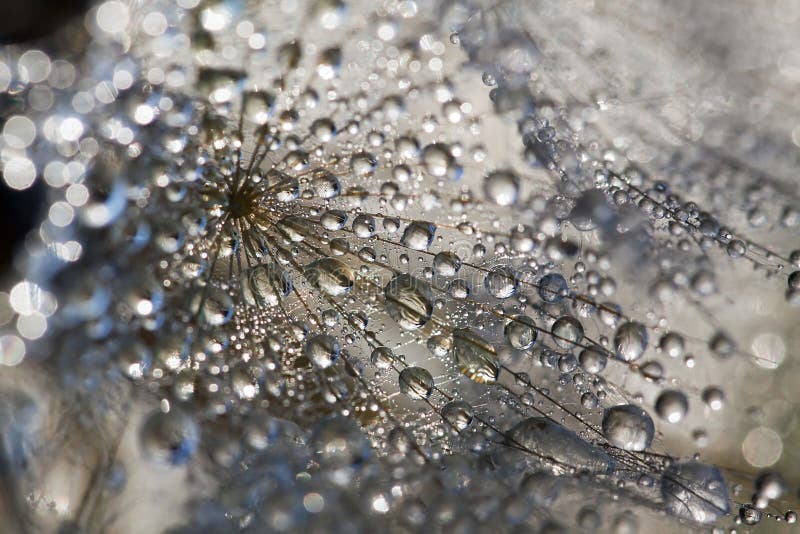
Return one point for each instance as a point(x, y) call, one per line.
point(502, 187)
point(501, 282)
point(363, 164)
point(382, 357)
point(265, 285)
point(170, 438)
point(592, 360)
point(323, 129)
point(322, 350)
point(364, 226)
point(672, 405)
point(628, 427)
point(630, 341)
point(458, 414)
point(520, 332)
point(695, 491)
point(418, 235)
point(458, 289)
point(409, 301)
point(475, 357)
point(439, 162)
point(672, 345)
point(325, 183)
point(446, 264)
point(330, 275)
point(560, 449)
point(333, 220)
point(567, 332)
point(416, 382)
point(552, 287)
point(213, 305)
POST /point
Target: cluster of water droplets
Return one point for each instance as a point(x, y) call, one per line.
point(345, 281)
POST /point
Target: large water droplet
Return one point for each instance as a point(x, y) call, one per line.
point(558, 448)
point(418, 235)
point(213, 305)
point(474, 356)
point(567, 332)
point(458, 414)
point(501, 282)
point(672, 405)
point(333, 220)
point(171, 438)
point(363, 164)
point(501, 187)
point(326, 185)
point(364, 226)
point(628, 427)
point(409, 301)
point(521, 332)
point(552, 287)
point(695, 491)
point(439, 162)
point(322, 350)
point(330, 275)
point(383, 357)
point(416, 382)
point(446, 264)
point(265, 285)
point(630, 341)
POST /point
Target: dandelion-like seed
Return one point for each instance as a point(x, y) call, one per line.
point(418, 266)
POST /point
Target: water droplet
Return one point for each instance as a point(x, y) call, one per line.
point(333, 220)
point(592, 360)
point(552, 287)
point(521, 332)
point(382, 357)
point(439, 162)
point(672, 405)
point(672, 345)
point(265, 285)
point(364, 226)
point(409, 301)
point(416, 382)
point(630, 341)
point(363, 164)
point(567, 332)
point(446, 264)
point(323, 129)
point(322, 350)
point(258, 106)
point(294, 227)
point(170, 438)
point(628, 427)
point(458, 289)
point(501, 282)
point(559, 449)
point(331, 276)
point(502, 187)
point(458, 414)
point(325, 183)
point(474, 356)
point(213, 305)
point(722, 345)
point(440, 345)
point(714, 398)
point(329, 63)
point(418, 235)
point(695, 491)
